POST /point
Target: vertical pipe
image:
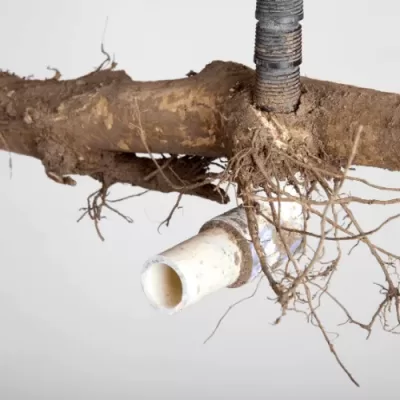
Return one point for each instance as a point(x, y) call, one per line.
point(278, 55)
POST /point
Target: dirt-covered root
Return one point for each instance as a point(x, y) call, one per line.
point(273, 165)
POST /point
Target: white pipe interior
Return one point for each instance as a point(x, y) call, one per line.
point(163, 285)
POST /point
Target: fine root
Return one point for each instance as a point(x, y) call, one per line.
point(108, 63)
point(175, 207)
point(97, 202)
point(273, 171)
point(57, 74)
point(231, 307)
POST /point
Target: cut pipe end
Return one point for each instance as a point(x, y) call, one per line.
point(163, 286)
point(201, 265)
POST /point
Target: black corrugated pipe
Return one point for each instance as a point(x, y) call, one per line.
point(278, 55)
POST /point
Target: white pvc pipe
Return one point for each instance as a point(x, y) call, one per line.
point(220, 256)
point(189, 271)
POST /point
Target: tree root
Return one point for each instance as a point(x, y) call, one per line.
point(97, 126)
point(276, 164)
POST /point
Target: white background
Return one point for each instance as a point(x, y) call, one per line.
point(74, 323)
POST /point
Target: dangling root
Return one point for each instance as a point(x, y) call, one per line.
point(273, 169)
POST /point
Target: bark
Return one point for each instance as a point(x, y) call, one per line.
point(95, 125)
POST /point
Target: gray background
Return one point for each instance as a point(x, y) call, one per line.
point(74, 323)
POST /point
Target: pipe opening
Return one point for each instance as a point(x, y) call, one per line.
point(163, 285)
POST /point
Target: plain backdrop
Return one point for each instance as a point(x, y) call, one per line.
point(74, 323)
